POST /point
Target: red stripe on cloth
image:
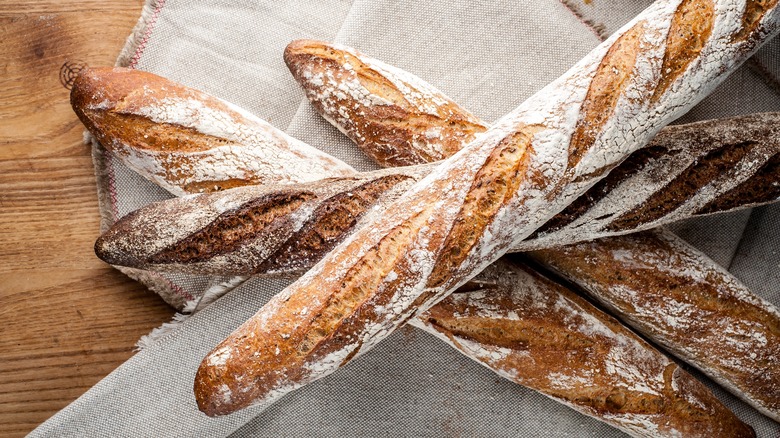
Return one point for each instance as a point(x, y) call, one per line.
point(147, 33)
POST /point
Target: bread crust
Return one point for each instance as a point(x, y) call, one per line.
point(539, 334)
point(381, 108)
point(187, 141)
point(673, 294)
point(361, 295)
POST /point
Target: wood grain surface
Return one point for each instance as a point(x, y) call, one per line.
point(67, 319)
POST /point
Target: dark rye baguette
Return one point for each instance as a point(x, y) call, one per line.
point(539, 334)
point(671, 293)
point(187, 141)
point(473, 207)
point(670, 164)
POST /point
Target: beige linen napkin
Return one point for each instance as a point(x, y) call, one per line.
point(488, 56)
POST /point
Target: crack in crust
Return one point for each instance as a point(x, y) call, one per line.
point(141, 133)
point(690, 181)
point(328, 225)
point(754, 12)
point(232, 229)
point(691, 28)
point(761, 188)
point(627, 169)
point(613, 75)
point(494, 186)
point(358, 284)
point(394, 117)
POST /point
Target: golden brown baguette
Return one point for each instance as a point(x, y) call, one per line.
point(187, 141)
point(486, 198)
point(717, 158)
point(684, 171)
point(676, 296)
point(539, 334)
point(381, 108)
point(617, 418)
point(693, 154)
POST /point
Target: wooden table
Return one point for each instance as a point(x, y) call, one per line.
point(66, 318)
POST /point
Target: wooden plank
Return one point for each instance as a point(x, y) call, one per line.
point(68, 319)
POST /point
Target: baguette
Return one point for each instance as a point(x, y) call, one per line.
point(675, 154)
point(186, 141)
point(676, 296)
point(664, 259)
point(649, 278)
point(539, 334)
point(493, 193)
point(381, 108)
point(667, 416)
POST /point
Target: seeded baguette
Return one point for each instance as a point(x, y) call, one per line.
point(473, 207)
point(676, 296)
point(187, 141)
point(539, 334)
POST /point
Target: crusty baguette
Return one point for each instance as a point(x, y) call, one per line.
point(492, 194)
point(680, 299)
point(539, 334)
point(590, 405)
point(380, 107)
point(187, 141)
point(675, 154)
point(684, 171)
point(250, 230)
point(669, 290)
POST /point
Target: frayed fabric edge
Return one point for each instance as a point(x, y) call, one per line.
point(159, 332)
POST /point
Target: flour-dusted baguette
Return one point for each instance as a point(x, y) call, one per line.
point(680, 292)
point(380, 107)
point(684, 171)
point(680, 299)
point(613, 397)
point(187, 141)
point(495, 192)
point(539, 334)
point(673, 156)
point(251, 230)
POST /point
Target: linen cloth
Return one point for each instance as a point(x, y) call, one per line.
point(487, 56)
